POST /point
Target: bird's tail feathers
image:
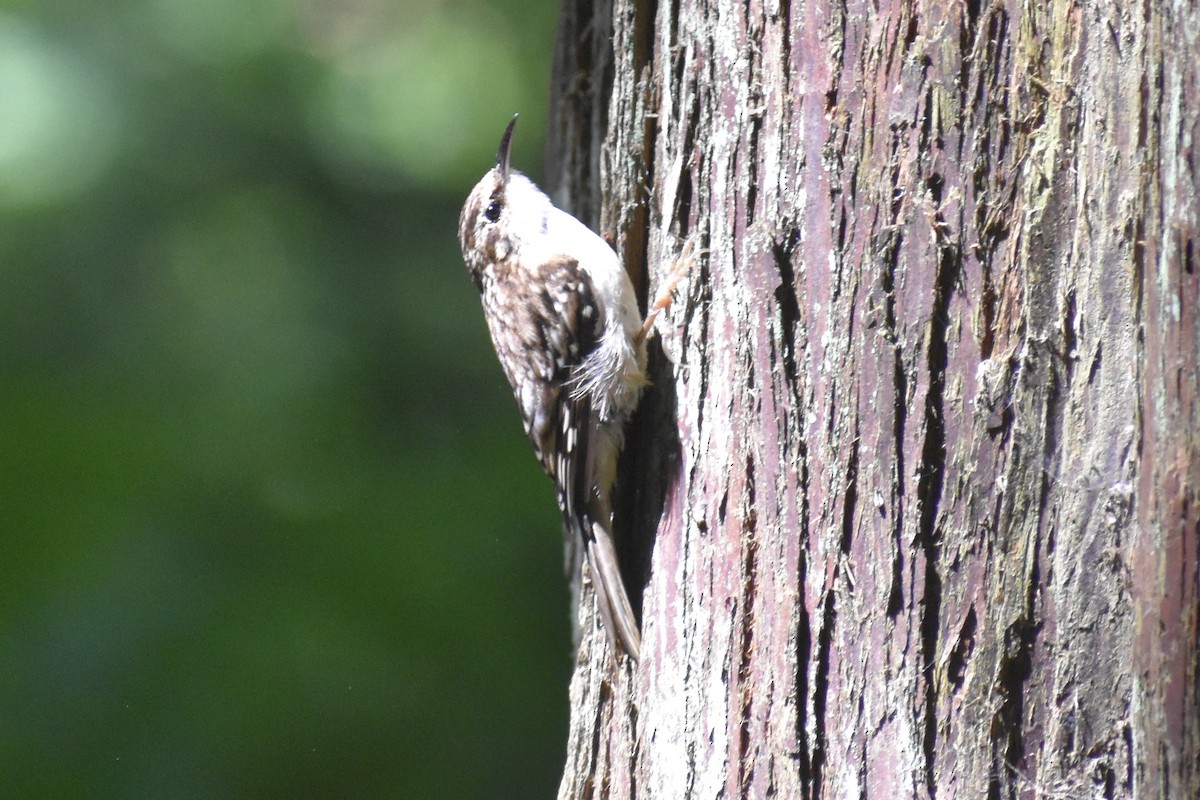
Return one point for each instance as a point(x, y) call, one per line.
point(611, 598)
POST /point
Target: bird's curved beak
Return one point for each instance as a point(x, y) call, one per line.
point(505, 148)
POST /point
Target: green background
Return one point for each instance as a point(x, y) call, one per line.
point(270, 526)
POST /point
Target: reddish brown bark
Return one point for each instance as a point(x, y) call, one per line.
point(914, 501)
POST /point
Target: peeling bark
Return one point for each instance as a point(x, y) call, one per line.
point(914, 498)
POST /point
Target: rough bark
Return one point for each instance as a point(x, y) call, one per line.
point(914, 499)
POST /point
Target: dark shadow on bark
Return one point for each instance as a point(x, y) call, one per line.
point(648, 466)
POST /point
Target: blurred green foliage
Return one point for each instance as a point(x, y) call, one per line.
point(270, 526)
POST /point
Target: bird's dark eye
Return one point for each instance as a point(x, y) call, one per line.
point(492, 212)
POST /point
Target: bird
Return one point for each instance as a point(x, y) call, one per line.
point(564, 321)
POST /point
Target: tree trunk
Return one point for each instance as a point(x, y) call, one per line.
point(914, 497)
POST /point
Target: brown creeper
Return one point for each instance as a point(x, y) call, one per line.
point(565, 324)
